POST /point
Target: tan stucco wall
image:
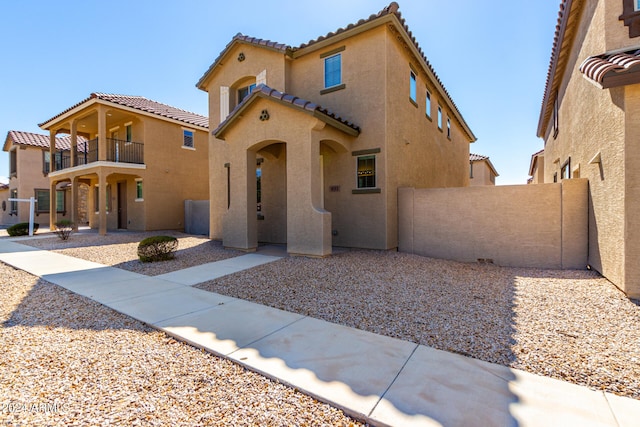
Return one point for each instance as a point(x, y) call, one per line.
point(543, 226)
point(538, 171)
point(592, 121)
point(481, 174)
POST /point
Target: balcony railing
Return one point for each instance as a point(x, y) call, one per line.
point(117, 151)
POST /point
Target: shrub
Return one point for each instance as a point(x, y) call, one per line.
point(64, 228)
point(22, 229)
point(157, 248)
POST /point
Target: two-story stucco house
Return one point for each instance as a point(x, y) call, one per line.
point(332, 129)
point(481, 170)
point(590, 123)
point(142, 159)
point(29, 165)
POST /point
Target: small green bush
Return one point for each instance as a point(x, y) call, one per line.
point(64, 228)
point(22, 229)
point(157, 248)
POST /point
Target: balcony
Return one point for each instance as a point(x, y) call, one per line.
point(117, 151)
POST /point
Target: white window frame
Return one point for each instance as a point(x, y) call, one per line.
point(139, 199)
point(193, 139)
point(339, 55)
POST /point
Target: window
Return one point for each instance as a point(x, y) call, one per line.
point(412, 87)
point(555, 177)
point(60, 200)
point(14, 204)
point(555, 117)
point(139, 195)
point(128, 132)
point(439, 117)
point(565, 171)
point(448, 128)
point(96, 198)
point(366, 172)
point(46, 161)
point(13, 162)
point(333, 70)
point(42, 200)
point(187, 138)
point(428, 104)
point(636, 5)
point(243, 92)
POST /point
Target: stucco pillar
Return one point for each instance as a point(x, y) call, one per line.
point(53, 216)
point(74, 202)
point(102, 135)
point(241, 220)
point(74, 143)
point(52, 150)
point(102, 203)
point(308, 224)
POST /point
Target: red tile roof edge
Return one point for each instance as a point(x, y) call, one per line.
point(40, 140)
point(477, 157)
point(266, 91)
point(142, 104)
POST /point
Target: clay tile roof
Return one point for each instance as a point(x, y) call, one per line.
point(477, 157)
point(39, 140)
point(608, 66)
point(265, 91)
point(143, 104)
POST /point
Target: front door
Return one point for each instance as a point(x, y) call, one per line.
point(122, 205)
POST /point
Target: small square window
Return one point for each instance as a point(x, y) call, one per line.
point(439, 117)
point(187, 138)
point(333, 71)
point(367, 172)
point(428, 104)
point(412, 87)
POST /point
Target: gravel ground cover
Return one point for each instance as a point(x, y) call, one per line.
point(120, 249)
point(66, 360)
point(570, 325)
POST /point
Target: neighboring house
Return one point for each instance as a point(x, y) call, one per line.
point(536, 168)
point(590, 122)
point(332, 128)
point(142, 160)
point(29, 165)
point(481, 170)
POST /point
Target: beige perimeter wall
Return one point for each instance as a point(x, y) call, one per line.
point(543, 226)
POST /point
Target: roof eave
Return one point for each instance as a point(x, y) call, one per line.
point(81, 106)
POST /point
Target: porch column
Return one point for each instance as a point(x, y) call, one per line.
point(52, 150)
point(102, 136)
point(74, 143)
point(102, 203)
point(74, 201)
point(241, 220)
point(53, 215)
point(308, 224)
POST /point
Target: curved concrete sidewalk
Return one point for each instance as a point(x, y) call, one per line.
point(382, 380)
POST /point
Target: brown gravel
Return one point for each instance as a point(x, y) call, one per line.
point(66, 360)
point(123, 250)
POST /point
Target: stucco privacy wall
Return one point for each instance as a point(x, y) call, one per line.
point(543, 226)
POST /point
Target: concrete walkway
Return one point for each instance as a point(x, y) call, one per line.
point(382, 380)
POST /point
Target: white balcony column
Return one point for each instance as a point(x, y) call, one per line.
point(74, 143)
point(102, 135)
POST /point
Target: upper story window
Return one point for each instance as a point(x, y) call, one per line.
point(128, 132)
point(439, 117)
point(555, 117)
point(243, 92)
point(428, 105)
point(448, 128)
point(631, 16)
point(412, 87)
point(46, 162)
point(187, 138)
point(13, 162)
point(333, 70)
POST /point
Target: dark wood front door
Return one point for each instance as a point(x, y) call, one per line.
point(122, 205)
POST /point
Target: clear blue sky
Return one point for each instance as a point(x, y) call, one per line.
point(491, 56)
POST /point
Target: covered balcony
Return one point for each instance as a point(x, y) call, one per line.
point(117, 151)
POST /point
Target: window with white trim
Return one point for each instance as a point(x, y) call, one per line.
point(366, 171)
point(139, 193)
point(439, 117)
point(187, 138)
point(333, 70)
point(412, 87)
point(428, 104)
